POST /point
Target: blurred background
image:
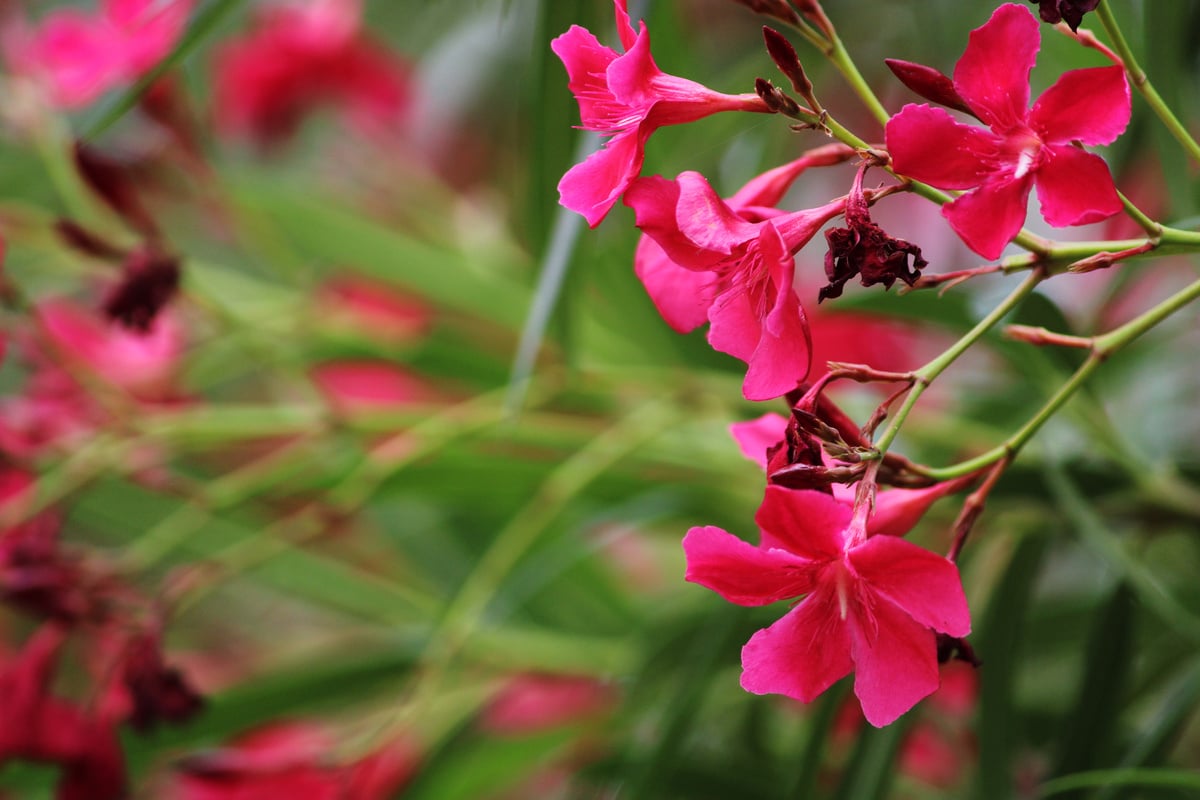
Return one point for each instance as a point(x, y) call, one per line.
point(260, 419)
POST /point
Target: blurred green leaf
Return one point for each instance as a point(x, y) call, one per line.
point(999, 645)
point(1147, 778)
point(1090, 731)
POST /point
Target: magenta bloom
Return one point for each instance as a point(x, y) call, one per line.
point(1024, 146)
point(626, 97)
point(299, 57)
point(81, 56)
point(716, 263)
point(871, 604)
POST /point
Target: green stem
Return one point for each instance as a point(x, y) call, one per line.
point(55, 149)
point(1137, 77)
point(464, 614)
point(845, 65)
point(1152, 228)
point(926, 374)
point(1102, 348)
point(352, 490)
point(1118, 338)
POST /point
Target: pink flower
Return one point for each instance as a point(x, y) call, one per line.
point(1024, 146)
point(748, 268)
point(291, 759)
point(372, 310)
point(81, 56)
point(56, 409)
point(683, 295)
point(871, 603)
point(41, 727)
point(354, 387)
point(626, 97)
point(531, 703)
point(299, 57)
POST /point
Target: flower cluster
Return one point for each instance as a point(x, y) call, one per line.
point(870, 602)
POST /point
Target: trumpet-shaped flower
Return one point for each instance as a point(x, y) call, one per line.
point(871, 604)
point(626, 97)
point(1022, 146)
point(742, 274)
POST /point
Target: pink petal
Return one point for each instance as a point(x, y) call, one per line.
point(929, 145)
point(993, 73)
point(897, 511)
point(631, 76)
point(735, 327)
point(745, 574)
point(895, 660)
point(769, 188)
point(802, 654)
point(1088, 105)
point(79, 57)
point(686, 218)
point(988, 218)
point(781, 358)
point(756, 436)
point(683, 296)
point(802, 521)
point(587, 62)
point(1075, 187)
point(780, 361)
point(624, 27)
point(797, 228)
point(150, 28)
point(924, 585)
point(592, 187)
point(707, 220)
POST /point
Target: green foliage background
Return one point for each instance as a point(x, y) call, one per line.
point(483, 551)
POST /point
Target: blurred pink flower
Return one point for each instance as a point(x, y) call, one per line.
point(531, 703)
point(357, 386)
point(291, 759)
point(143, 690)
point(1024, 146)
point(940, 747)
point(871, 603)
point(140, 362)
point(55, 408)
point(43, 728)
point(299, 57)
point(81, 56)
point(626, 97)
point(373, 310)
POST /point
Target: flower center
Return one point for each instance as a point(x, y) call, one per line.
point(1025, 148)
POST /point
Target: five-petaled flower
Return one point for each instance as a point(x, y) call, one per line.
point(871, 603)
point(1024, 146)
point(626, 97)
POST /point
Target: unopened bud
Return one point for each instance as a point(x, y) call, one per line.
point(928, 83)
point(779, 9)
point(784, 56)
point(775, 99)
